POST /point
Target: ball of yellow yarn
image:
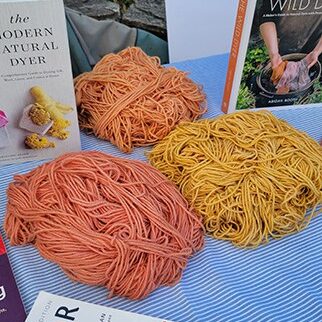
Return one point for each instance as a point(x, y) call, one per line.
point(250, 175)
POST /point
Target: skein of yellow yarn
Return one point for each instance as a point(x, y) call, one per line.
point(250, 175)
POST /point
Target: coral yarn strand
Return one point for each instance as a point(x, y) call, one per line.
point(131, 100)
point(105, 221)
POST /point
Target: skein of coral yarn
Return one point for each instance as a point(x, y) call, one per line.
point(106, 221)
point(250, 175)
point(131, 100)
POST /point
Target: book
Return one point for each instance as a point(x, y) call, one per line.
point(38, 116)
point(275, 59)
point(11, 307)
point(53, 308)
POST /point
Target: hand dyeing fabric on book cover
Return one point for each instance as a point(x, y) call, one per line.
point(275, 32)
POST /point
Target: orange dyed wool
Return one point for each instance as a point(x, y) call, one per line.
point(130, 100)
point(106, 221)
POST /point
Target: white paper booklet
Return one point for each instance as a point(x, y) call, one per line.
point(38, 116)
point(53, 308)
point(199, 28)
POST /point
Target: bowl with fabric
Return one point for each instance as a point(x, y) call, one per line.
point(268, 95)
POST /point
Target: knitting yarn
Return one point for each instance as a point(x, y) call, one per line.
point(131, 100)
point(106, 221)
point(250, 175)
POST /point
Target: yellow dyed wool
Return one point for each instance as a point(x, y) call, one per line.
point(250, 175)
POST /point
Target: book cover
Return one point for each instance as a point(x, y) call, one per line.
point(38, 116)
point(275, 59)
point(53, 308)
point(11, 307)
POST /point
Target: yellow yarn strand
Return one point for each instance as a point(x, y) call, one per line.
point(250, 175)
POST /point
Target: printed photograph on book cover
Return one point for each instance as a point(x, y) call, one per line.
point(283, 60)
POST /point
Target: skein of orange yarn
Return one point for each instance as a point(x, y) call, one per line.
point(106, 221)
point(131, 100)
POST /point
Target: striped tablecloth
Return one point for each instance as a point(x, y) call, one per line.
point(281, 281)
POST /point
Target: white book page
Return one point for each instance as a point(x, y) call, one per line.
point(199, 28)
point(53, 308)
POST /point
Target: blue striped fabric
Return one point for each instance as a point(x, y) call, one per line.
point(281, 281)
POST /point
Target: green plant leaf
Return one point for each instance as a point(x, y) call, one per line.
point(246, 98)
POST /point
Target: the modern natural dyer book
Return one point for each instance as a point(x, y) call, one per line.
point(11, 307)
point(275, 59)
point(53, 308)
point(38, 117)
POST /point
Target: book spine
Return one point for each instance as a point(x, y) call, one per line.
point(239, 25)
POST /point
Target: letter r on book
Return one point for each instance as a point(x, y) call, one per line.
point(66, 314)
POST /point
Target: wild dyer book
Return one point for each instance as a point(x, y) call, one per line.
point(11, 307)
point(38, 117)
point(275, 59)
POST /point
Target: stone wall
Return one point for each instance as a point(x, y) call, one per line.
point(148, 15)
point(144, 14)
point(99, 9)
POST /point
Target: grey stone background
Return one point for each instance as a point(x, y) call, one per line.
point(144, 14)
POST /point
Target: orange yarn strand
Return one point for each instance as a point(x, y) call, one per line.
point(106, 221)
point(130, 100)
